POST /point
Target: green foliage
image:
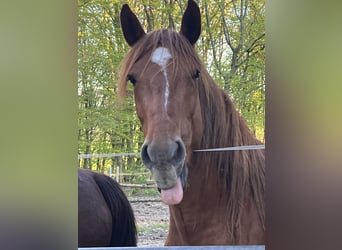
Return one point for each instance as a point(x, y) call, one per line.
point(232, 45)
point(104, 124)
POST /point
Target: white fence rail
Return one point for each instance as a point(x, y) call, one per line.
point(112, 155)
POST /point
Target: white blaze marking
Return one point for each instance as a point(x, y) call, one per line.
point(161, 56)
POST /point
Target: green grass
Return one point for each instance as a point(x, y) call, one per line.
point(141, 192)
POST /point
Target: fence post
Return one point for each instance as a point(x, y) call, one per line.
point(118, 174)
point(110, 172)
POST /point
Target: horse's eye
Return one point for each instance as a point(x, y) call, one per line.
point(132, 79)
point(196, 74)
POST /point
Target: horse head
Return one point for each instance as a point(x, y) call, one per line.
point(164, 69)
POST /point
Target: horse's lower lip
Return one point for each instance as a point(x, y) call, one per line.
point(183, 178)
point(160, 189)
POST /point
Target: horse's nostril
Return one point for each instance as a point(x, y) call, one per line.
point(171, 152)
point(180, 152)
point(145, 157)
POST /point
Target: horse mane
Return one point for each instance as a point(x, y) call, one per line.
point(241, 173)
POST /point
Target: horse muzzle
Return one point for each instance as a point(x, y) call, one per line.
point(166, 161)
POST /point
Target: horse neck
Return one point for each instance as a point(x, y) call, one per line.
point(225, 189)
point(239, 174)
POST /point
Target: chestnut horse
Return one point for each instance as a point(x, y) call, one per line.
point(105, 217)
point(215, 198)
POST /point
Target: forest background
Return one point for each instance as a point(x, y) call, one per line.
point(231, 45)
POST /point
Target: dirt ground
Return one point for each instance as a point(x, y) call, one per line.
point(152, 220)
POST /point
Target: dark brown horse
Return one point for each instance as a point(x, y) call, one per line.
point(105, 217)
point(214, 197)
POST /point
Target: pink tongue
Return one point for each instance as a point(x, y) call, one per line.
point(173, 195)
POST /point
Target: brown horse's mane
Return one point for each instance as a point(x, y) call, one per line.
point(241, 173)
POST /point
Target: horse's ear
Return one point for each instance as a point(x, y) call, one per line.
point(191, 22)
point(130, 25)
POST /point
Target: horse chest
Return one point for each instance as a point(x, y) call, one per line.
point(196, 225)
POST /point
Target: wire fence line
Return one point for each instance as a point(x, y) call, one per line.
point(234, 148)
point(117, 173)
